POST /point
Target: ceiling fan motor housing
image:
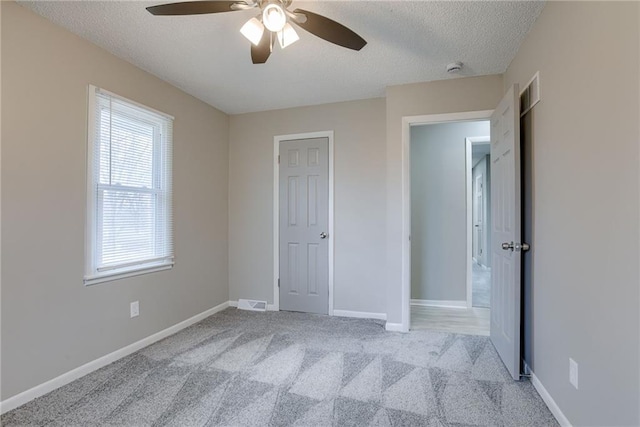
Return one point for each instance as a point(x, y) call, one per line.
point(264, 3)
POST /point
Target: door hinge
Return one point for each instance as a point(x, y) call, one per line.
point(278, 158)
point(278, 282)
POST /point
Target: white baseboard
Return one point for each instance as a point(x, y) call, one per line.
point(360, 314)
point(57, 382)
point(270, 307)
point(393, 327)
point(551, 404)
point(439, 303)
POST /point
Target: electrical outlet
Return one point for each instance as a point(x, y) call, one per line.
point(135, 309)
point(573, 373)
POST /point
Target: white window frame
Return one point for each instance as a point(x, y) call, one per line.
point(93, 273)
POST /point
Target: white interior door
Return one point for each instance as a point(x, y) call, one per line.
point(478, 222)
point(505, 231)
point(304, 221)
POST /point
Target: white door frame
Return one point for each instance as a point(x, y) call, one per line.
point(407, 122)
point(469, 169)
point(276, 211)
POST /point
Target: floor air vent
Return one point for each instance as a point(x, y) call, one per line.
point(253, 305)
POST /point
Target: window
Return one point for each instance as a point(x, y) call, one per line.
point(129, 212)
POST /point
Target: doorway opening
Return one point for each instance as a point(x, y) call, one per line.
point(449, 213)
point(507, 246)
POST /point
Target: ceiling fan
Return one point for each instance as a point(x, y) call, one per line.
point(271, 24)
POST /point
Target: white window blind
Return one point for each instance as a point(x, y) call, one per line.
point(129, 225)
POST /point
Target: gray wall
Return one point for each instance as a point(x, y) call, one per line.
point(359, 235)
point(439, 209)
point(51, 322)
point(582, 142)
point(445, 96)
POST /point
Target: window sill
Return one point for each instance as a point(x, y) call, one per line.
point(117, 275)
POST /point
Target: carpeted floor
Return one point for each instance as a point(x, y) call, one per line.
point(481, 286)
point(240, 368)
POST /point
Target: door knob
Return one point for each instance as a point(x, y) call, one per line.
point(517, 246)
point(323, 235)
point(506, 246)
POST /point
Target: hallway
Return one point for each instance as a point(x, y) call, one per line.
point(468, 321)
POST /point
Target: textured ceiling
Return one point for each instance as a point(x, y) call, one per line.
point(207, 57)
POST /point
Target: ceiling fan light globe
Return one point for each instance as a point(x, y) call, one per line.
point(273, 17)
point(253, 30)
point(287, 36)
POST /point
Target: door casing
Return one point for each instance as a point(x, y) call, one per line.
point(276, 211)
point(407, 122)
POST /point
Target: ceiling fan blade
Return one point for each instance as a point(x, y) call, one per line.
point(260, 53)
point(329, 30)
point(192, 8)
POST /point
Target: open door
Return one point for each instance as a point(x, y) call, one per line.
point(506, 231)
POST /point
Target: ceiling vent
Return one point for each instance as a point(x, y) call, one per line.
point(530, 95)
